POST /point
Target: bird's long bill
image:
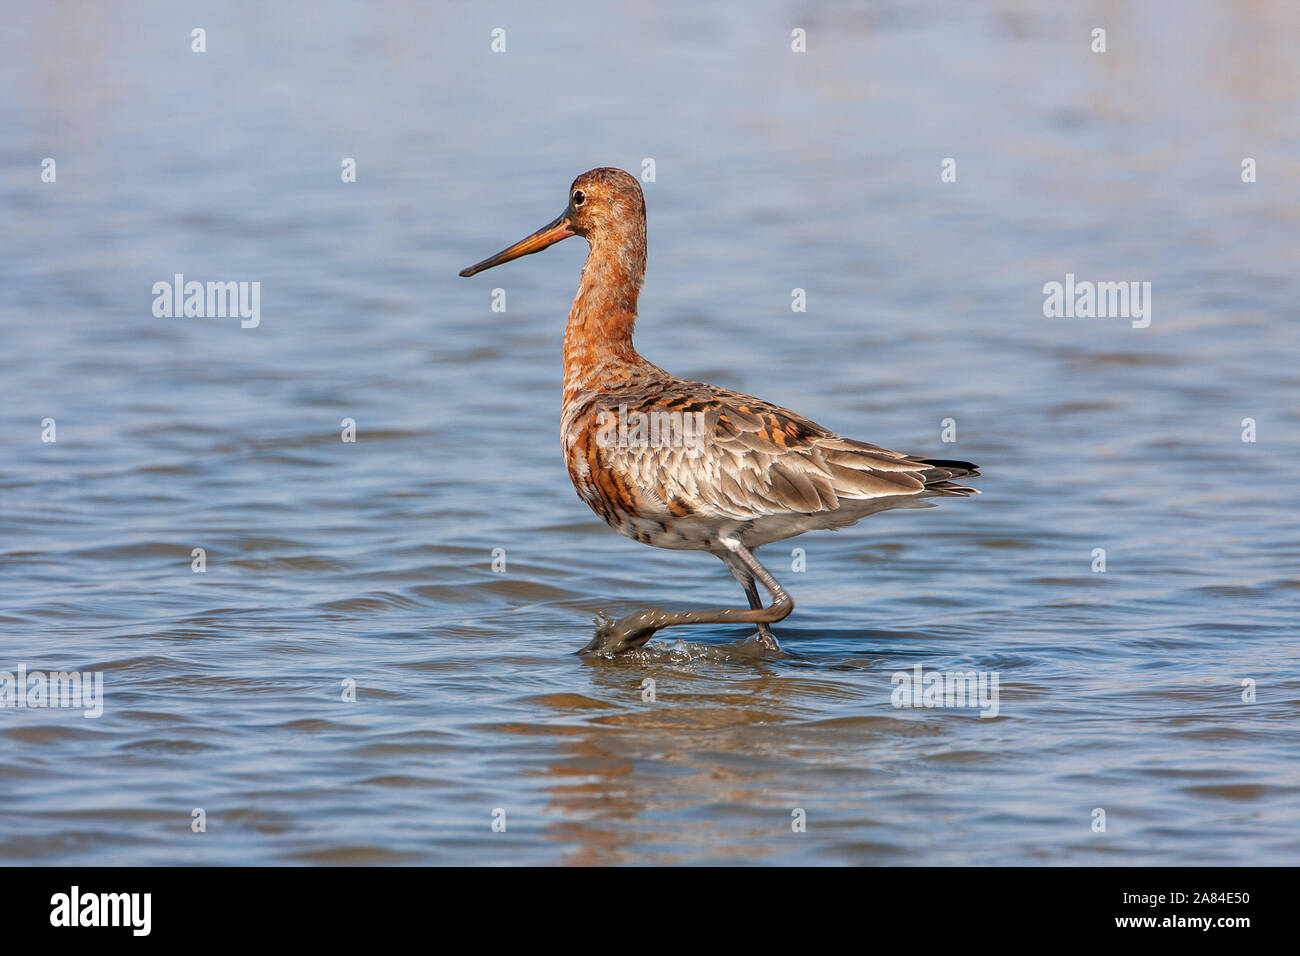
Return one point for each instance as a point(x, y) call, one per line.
point(548, 235)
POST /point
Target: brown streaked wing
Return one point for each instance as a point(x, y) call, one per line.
point(756, 459)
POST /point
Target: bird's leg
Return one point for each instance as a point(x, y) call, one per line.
point(746, 579)
point(631, 632)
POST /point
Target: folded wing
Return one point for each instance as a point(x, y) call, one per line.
point(721, 454)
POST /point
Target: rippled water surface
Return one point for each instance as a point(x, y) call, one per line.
point(372, 562)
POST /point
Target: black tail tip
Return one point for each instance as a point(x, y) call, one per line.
point(952, 463)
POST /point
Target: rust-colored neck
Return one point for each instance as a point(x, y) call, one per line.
point(598, 337)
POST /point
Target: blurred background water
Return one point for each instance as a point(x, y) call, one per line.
point(372, 561)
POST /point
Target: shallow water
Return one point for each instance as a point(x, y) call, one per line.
point(372, 561)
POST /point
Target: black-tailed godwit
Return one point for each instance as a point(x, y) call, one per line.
point(752, 473)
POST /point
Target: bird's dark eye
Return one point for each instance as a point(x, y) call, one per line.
point(578, 197)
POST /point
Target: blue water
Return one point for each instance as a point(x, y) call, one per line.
point(372, 562)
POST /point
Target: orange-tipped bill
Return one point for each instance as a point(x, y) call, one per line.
point(548, 235)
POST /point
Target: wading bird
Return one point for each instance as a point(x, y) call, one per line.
point(752, 473)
